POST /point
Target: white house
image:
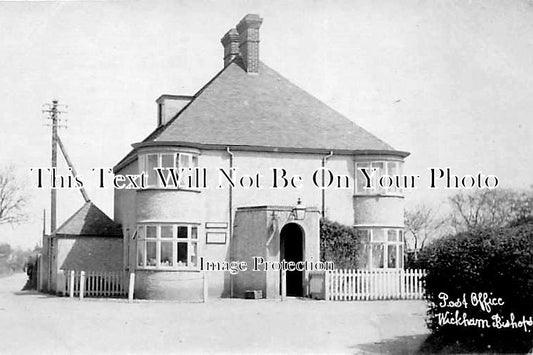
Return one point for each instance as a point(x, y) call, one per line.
point(250, 118)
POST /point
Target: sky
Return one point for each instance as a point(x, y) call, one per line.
point(451, 82)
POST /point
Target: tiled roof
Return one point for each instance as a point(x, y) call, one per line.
point(263, 110)
point(89, 221)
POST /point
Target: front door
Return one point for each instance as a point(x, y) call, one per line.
point(292, 249)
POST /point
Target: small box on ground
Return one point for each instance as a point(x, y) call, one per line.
point(253, 294)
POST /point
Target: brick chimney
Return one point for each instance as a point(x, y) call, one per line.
point(248, 30)
point(230, 41)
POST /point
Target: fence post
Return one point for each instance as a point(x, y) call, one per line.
point(283, 285)
point(71, 285)
point(418, 283)
point(326, 285)
point(205, 286)
point(82, 284)
point(131, 287)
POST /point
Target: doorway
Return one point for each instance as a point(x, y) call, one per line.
point(292, 249)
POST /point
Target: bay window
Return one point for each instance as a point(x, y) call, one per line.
point(389, 168)
point(382, 248)
point(177, 161)
point(166, 246)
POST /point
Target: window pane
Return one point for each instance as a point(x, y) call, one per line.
point(391, 235)
point(194, 232)
point(151, 231)
point(380, 166)
point(377, 255)
point(363, 261)
point(167, 160)
point(166, 231)
point(399, 172)
point(360, 178)
point(150, 165)
point(364, 235)
point(400, 256)
point(142, 164)
point(182, 232)
point(150, 253)
point(182, 254)
point(194, 254)
point(140, 253)
point(140, 232)
point(391, 256)
point(378, 235)
point(166, 253)
point(392, 170)
point(184, 161)
point(401, 235)
point(194, 161)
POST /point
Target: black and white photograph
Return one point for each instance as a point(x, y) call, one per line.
point(266, 177)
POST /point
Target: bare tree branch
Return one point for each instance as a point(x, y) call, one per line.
point(489, 208)
point(422, 224)
point(12, 198)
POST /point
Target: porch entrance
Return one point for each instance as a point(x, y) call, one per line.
point(292, 249)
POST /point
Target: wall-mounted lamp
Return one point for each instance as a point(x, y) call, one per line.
point(299, 211)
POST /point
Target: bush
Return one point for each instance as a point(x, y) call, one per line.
point(340, 244)
point(498, 262)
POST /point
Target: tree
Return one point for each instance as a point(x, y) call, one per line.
point(422, 224)
point(12, 199)
point(489, 208)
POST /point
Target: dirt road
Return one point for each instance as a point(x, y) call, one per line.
point(32, 323)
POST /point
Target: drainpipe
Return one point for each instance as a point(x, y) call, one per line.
point(230, 230)
point(324, 160)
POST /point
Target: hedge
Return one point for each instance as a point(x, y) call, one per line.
point(341, 244)
point(498, 263)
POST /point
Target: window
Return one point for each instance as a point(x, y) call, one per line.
point(165, 246)
point(149, 162)
point(390, 168)
point(383, 248)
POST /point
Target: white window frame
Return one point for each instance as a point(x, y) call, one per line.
point(399, 243)
point(191, 242)
point(377, 190)
point(176, 158)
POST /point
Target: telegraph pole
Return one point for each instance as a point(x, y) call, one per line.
point(53, 205)
point(54, 112)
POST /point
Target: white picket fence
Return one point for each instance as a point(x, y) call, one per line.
point(96, 283)
point(348, 285)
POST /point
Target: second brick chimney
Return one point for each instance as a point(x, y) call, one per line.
point(248, 30)
point(230, 41)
